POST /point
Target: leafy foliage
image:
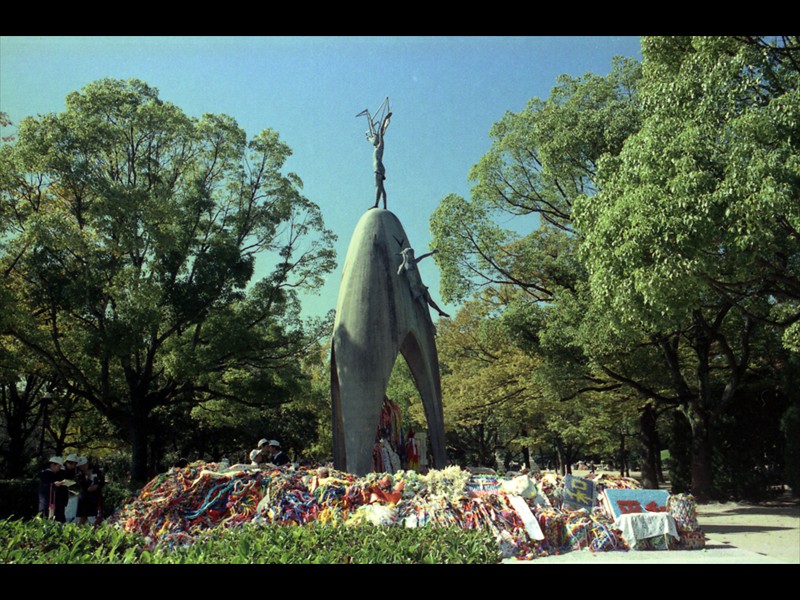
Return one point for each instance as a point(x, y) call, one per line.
point(485, 385)
point(40, 541)
point(48, 542)
point(541, 160)
point(703, 199)
point(641, 229)
point(692, 237)
point(133, 232)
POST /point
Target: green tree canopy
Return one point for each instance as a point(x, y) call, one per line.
point(705, 198)
point(630, 275)
point(541, 160)
point(132, 232)
point(692, 238)
point(515, 233)
point(488, 396)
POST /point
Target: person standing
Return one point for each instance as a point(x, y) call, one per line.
point(90, 483)
point(257, 457)
point(68, 491)
point(279, 457)
point(49, 479)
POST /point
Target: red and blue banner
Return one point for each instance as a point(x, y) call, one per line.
point(622, 502)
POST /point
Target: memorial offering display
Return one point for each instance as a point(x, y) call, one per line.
point(526, 514)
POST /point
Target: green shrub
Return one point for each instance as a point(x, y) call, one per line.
point(790, 427)
point(19, 498)
point(115, 495)
point(41, 541)
point(47, 542)
point(332, 544)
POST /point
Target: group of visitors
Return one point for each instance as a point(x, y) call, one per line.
point(268, 451)
point(71, 476)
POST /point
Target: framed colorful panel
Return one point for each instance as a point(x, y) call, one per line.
point(621, 502)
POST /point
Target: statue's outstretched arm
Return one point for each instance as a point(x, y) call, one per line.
point(426, 255)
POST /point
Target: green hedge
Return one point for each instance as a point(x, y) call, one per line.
point(19, 498)
point(39, 541)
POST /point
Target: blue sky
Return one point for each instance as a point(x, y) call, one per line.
point(445, 93)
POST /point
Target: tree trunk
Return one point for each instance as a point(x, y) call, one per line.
point(649, 447)
point(660, 467)
point(139, 454)
point(526, 457)
point(561, 466)
point(15, 466)
point(487, 456)
point(621, 456)
point(13, 411)
point(702, 479)
point(507, 460)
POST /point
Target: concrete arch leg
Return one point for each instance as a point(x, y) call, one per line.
point(378, 318)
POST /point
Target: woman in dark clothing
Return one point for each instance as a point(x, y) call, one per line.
point(90, 483)
point(49, 484)
point(279, 457)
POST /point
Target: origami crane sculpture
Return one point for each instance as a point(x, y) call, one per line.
point(381, 312)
